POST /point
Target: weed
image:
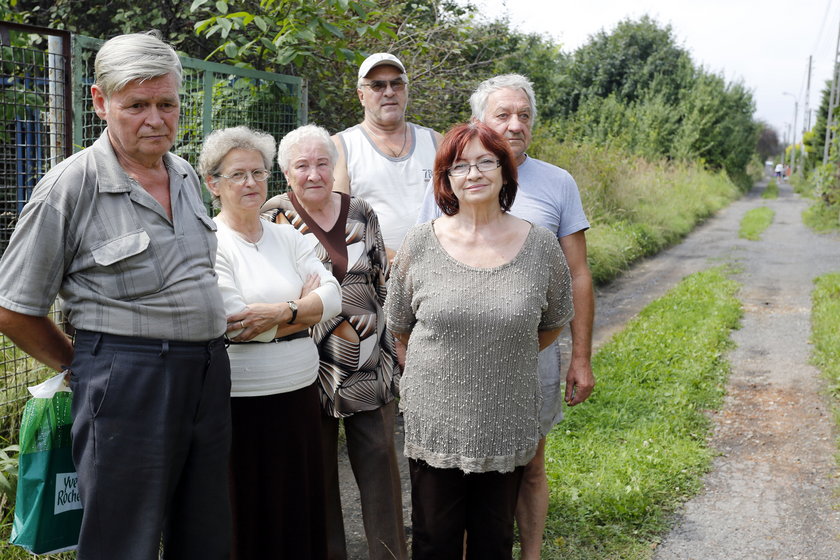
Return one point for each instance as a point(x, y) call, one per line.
point(636, 207)
point(754, 223)
point(822, 217)
point(771, 190)
point(825, 317)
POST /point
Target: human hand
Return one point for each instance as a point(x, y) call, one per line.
point(251, 321)
point(313, 281)
point(579, 382)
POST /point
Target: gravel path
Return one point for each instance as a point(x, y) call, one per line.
point(772, 491)
point(770, 494)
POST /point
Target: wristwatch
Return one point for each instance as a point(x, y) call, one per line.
point(294, 308)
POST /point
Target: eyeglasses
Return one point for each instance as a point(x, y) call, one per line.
point(240, 177)
point(485, 165)
point(381, 85)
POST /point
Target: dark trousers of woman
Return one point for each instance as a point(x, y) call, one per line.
point(446, 503)
point(370, 447)
point(277, 477)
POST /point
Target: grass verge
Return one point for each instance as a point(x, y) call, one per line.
point(825, 316)
point(636, 207)
point(621, 462)
point(821, 217)
point(754, 223)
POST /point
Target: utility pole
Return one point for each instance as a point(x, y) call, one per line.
point(793, 144)
point(832, 101)
point(806, 115)
point(793, 132)
point(806, 125)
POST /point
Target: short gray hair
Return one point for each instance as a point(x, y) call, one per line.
point(220, 142)
point(298, 135)
point(136, 56)
point(478, 100)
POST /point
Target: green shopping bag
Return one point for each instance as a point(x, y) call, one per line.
point(48, 510)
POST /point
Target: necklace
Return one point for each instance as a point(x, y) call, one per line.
point(385, 143)
point(250, 238)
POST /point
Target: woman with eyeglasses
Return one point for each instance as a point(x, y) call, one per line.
point(474, 295)
point(274, 288)
point(358, 377)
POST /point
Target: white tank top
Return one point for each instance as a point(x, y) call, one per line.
point(392, 186)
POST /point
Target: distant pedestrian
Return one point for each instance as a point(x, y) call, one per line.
point(779, 170)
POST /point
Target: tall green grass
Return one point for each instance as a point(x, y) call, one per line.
point(636, 207)
point(825, 318)
point(621, 461)
point(754, 222)
point(824, 213)
point(822, 217)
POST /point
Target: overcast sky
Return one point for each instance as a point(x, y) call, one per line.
point(763, 43)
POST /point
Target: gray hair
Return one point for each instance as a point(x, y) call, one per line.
point(220, 142)
point(362, 81)
point(300, 134)
point(136, 56)
point(478, 100)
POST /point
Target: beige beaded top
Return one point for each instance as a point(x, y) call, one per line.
point(470, 390)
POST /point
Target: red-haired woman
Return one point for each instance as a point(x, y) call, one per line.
point(474, 295)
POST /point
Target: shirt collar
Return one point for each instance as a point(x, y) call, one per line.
point(112, 178)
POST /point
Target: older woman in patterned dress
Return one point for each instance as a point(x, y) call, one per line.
point(358, 375)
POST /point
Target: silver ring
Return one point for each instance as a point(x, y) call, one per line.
point(242, 324)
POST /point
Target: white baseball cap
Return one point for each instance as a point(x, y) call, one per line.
point(379, 59)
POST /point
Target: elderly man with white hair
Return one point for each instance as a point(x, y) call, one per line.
point(548, 196)
point(119, 231)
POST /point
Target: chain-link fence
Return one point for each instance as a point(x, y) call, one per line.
point(46, 113)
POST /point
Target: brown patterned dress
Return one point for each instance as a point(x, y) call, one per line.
point(358, 367)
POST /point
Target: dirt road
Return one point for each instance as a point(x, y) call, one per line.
point(770, 494)
point(772, 491)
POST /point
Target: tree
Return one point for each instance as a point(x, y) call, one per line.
point(768, 145)
point(634, 57)
point(108, 18)
point(445, 49)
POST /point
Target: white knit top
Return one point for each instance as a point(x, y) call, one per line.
point(470, 390)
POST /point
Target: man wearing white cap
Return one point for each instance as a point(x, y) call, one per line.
point(385, 159)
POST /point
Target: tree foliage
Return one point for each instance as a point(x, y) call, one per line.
point(634, 87)
point(107, 18)
point(768, 146)
point(636, 57)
